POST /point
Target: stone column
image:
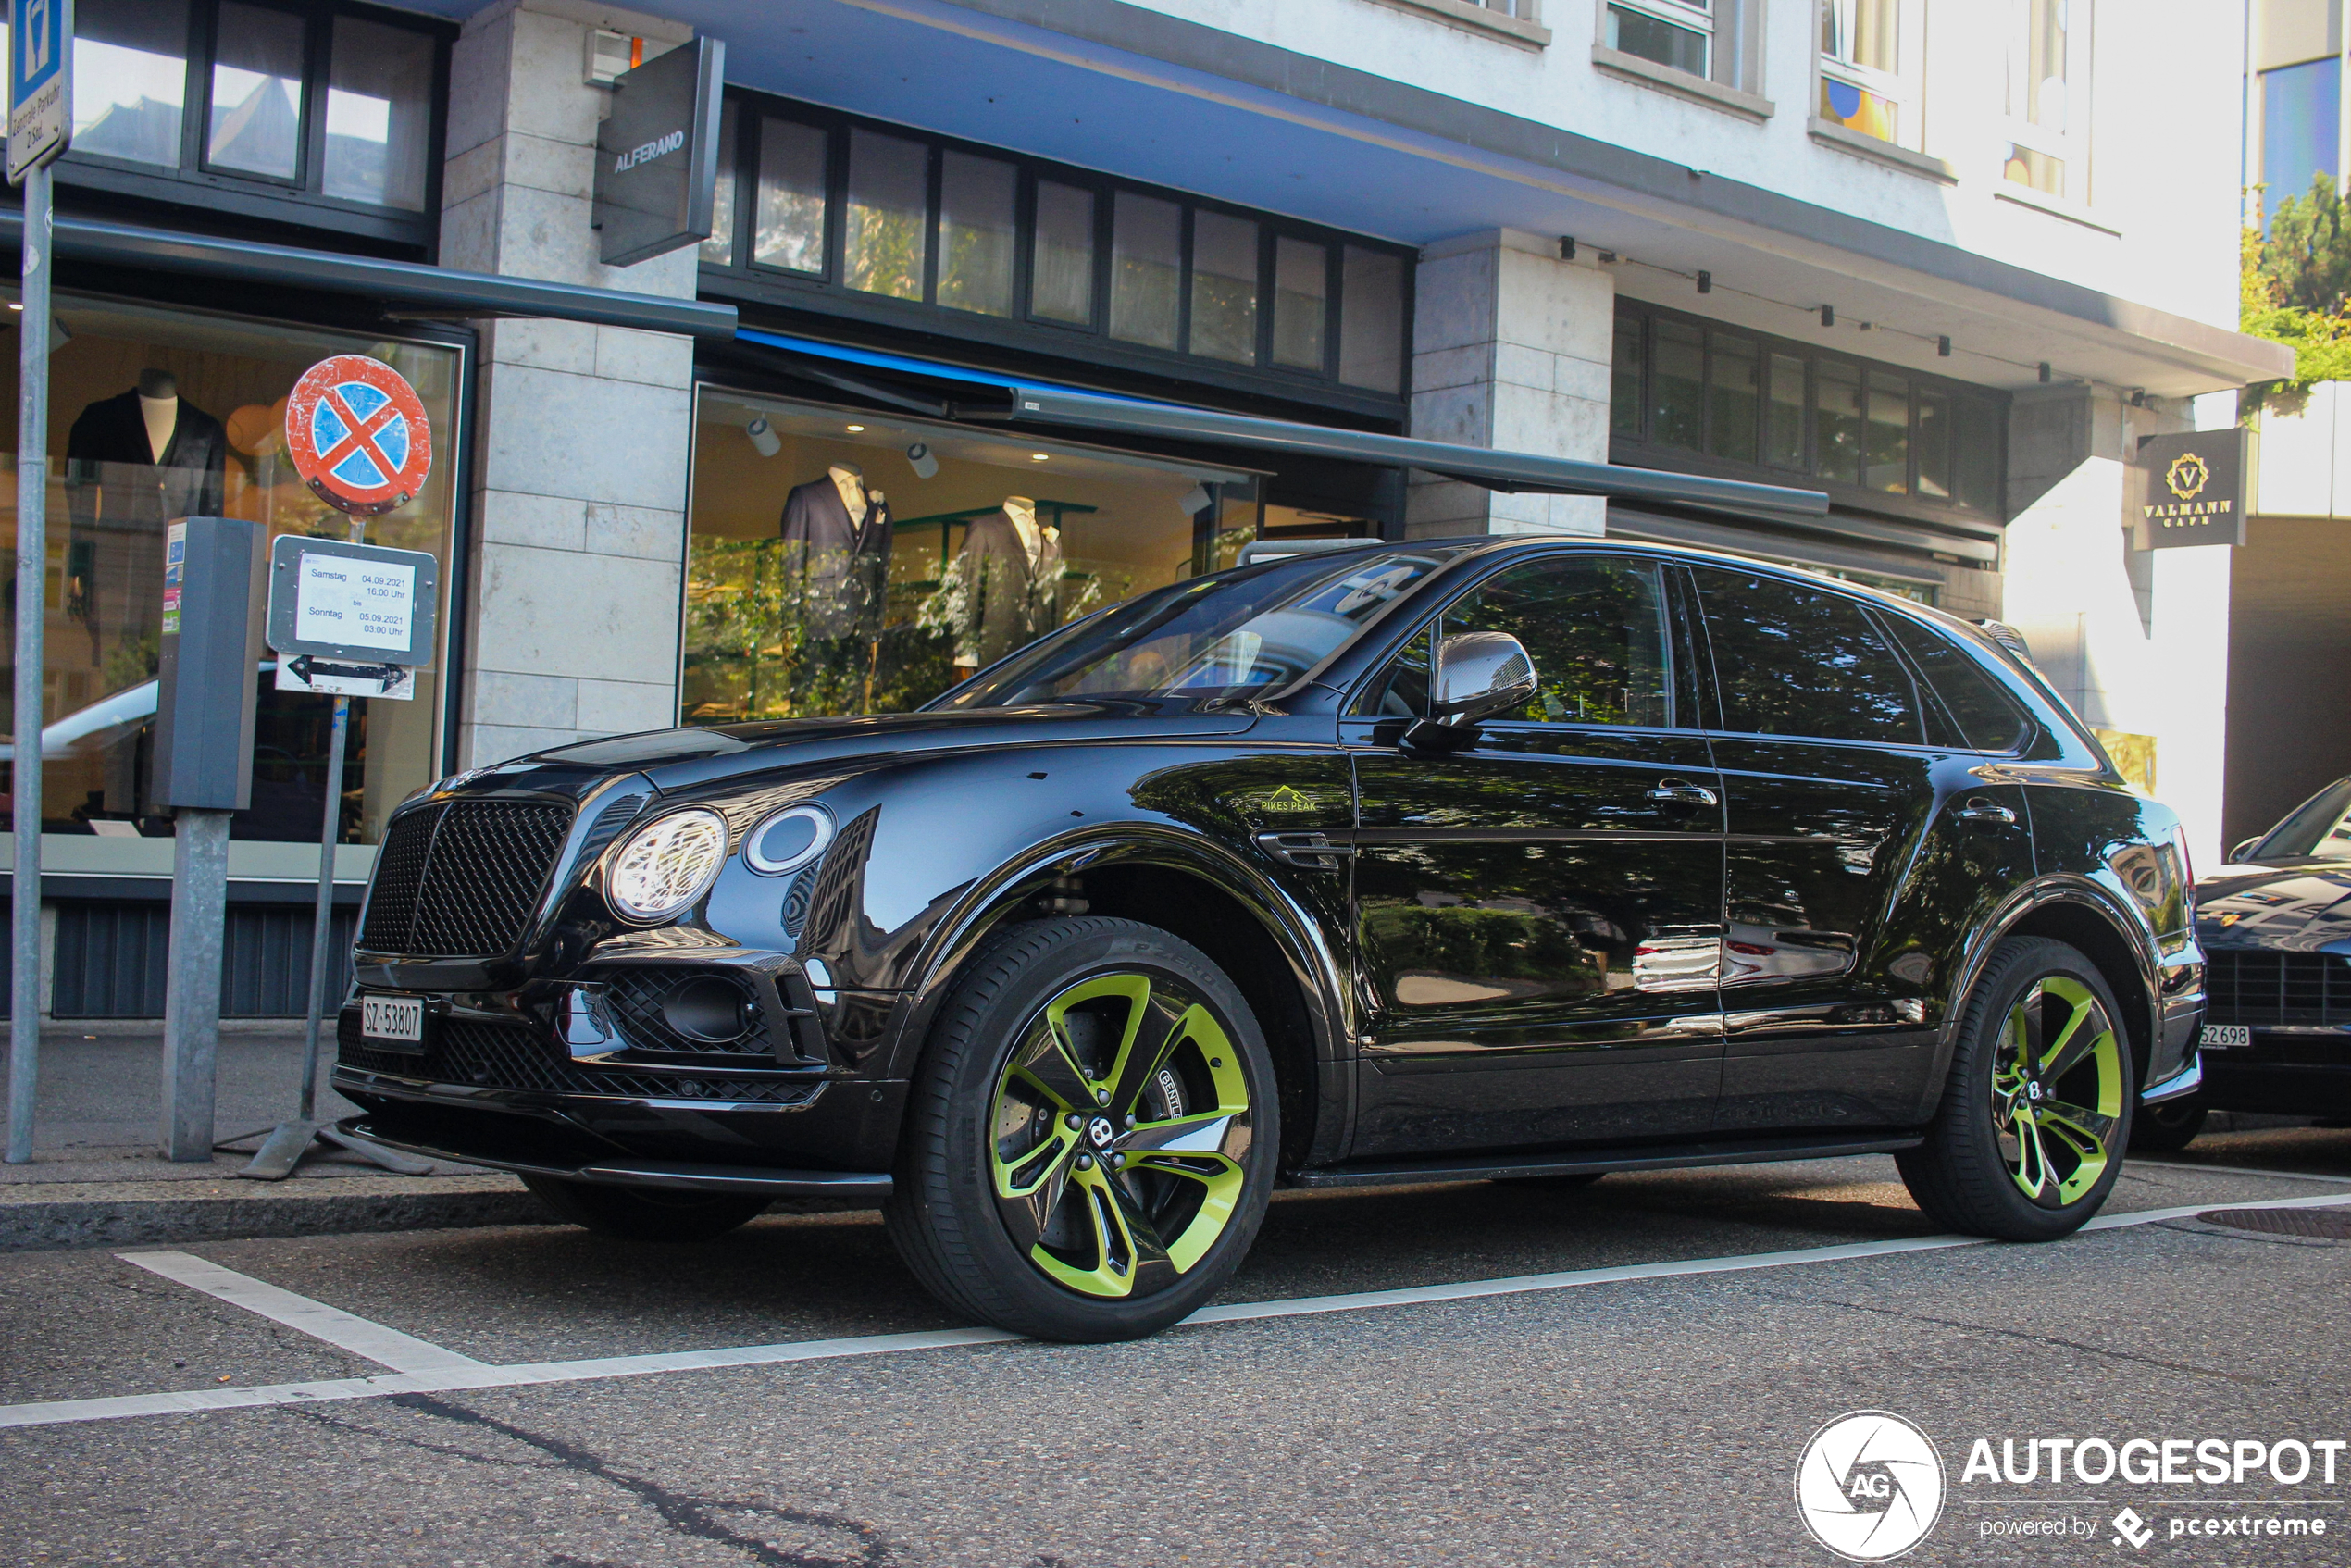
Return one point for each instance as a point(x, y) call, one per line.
point(1510, 349)
point(579, 471)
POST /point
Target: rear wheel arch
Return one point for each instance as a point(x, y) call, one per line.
point(2083, 921)
point(1265, 944)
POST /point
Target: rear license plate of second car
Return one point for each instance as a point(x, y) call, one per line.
point(2226, 1037)
point(396, 1022)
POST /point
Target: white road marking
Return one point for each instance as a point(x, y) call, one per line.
point(2236, 1170)
point(385, 1347)
point(459, 1373)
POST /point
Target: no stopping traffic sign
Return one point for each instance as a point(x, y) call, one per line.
point(358, 435)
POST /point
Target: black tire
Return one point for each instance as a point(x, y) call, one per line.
point(966, 1130)
point(1986, 1146)
point(645, 1213)
point(2169, 1127)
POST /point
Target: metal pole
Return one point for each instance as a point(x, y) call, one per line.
point(32, 562)
point(191, 981)
point(323, 923)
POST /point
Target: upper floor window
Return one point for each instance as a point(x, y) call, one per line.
point(2047, 105)
point(1862, 87)
point(324, 104)
point(2297, 112)
point(874, 214)
point(1704, 38)
point(1750, 401)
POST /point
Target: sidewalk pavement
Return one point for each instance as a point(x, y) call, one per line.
point(96, 1178)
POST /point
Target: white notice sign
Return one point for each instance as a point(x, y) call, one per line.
point(355, 604)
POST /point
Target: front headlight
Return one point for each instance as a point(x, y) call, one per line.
point(666, 865)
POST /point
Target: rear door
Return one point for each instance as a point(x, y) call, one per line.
point(1536, 916)
point(1832, 787)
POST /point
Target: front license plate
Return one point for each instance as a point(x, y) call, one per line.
point(397, 1019)
point(2226, 1037)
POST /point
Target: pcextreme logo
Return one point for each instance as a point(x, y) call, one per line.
point(1869, 1485)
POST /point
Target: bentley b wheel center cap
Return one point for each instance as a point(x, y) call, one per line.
point(1100, 1131)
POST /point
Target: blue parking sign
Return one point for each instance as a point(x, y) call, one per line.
point(40, 82)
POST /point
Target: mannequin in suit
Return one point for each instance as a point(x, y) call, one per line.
point(836, 537)
point(162, 458)
point(1011, 571)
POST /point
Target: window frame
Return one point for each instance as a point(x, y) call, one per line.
point(1925, 704)
point(747, 282)
point(301, 201)
point(1904, 87)
point(1691, 16)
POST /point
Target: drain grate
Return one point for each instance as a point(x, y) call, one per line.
point(2321, 1225)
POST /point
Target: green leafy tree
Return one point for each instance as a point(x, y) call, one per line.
point(2295, 289)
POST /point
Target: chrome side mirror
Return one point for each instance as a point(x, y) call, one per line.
point(1479, 673)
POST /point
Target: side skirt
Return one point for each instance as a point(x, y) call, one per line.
point(1646, 1157)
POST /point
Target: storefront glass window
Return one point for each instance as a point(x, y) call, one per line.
point(845, 562)
point(378, 114)
point(1301, 285)
point(1933, 444)
point(720, 246)
point(1680, 385)
point(257, 93)
point(154, 416)
point(1784, 425)
point(1889, 459)
point(1977, 469)
point(1224, 286)
point(1731, 399)
point(1836, 416)
point(1062, 281)
point(888, 214)
point(792, 197)
point(130, 79)
point(976, 234)
point(1371, 320)
point(1146, 270)
point(1625, 380)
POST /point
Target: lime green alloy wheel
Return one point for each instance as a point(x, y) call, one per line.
point(1091, 1135)
point(2057, 1088)
point(2039, 1102)
point(1121, 1120)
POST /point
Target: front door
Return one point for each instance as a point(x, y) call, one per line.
point(1537, 915)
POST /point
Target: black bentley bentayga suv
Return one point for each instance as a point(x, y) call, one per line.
point(1480, 859)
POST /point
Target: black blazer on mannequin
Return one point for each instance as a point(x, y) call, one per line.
point(133, 487)
point(845, 563)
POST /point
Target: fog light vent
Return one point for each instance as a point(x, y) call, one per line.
point(694, 1010)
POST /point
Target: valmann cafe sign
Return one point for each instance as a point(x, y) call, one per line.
point(2195, 488)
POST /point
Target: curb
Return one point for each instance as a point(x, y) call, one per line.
point(46, 1217)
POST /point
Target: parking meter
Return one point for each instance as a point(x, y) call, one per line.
point(204, 712)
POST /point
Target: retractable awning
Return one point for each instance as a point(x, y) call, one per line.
point(1014, 400)
point(403, 288)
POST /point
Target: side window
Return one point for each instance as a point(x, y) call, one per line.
point(1988, 719)
point(1595, 627)
point(1792, 660)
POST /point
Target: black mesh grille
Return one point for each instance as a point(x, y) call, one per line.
point(2251, 986)
point(461, 878)
point(636, 997)
point(515, 1056)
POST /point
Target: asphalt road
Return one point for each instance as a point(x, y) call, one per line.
point(1649, 1419)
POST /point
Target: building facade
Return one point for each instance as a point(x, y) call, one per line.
point(1924, 257)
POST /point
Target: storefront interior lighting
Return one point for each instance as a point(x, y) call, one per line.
point(854, 430)
point(1039, 456)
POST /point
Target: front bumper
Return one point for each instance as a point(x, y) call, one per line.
point(856, 1187)
point(2286, 1071)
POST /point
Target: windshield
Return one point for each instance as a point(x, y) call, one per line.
point(1243, 633)
point(2319, 829)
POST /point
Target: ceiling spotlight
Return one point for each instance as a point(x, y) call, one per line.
point(763, 439)
point(1828, 316)
point(1706, 283)
point(14, 304)
point(1039, 456)
point(2044, 372)
point(1942, 348)
point(925, 465)
point(853, 430)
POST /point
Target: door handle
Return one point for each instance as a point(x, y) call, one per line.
point(1981, 810)
point(1684, 791)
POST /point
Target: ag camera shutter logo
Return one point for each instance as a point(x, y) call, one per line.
point(1869, 1485)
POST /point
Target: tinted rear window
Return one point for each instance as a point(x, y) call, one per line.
point(1792, 660)
point(1988, 719)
